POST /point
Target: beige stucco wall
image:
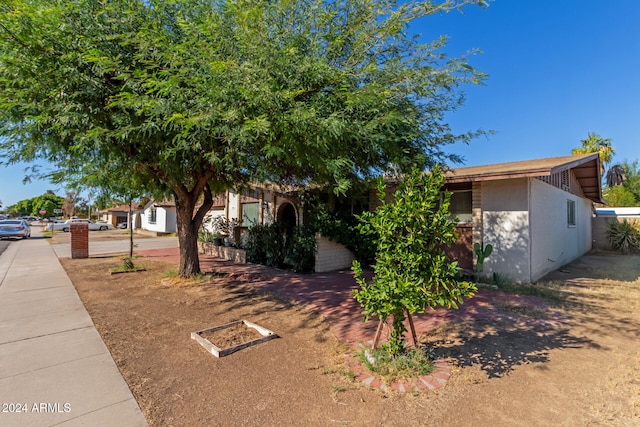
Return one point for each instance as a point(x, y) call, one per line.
point(270, 203)
point(600, 225)
point(554, 242)
point(526, 222)
point(505, 222)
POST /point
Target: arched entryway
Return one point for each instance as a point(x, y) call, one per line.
point(287, 215)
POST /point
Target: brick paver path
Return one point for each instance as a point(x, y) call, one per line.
point(330, 294)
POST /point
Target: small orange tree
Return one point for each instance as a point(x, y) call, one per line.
point(411, 271)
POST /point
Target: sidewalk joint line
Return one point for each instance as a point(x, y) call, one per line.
point(47, 335)
point(96, 410)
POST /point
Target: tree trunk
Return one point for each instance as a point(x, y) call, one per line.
point(189, 223)
point(187, 240)
point(130, 224)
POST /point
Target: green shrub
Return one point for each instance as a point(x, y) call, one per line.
point(266, 244)
point(412, 273)
point(206, 236)
point(301, 250)
point(275, 245)
point(624, 236)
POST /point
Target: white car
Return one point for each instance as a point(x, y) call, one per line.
point(65, 226)
point(14, 228)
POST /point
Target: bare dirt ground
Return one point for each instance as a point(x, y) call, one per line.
point(506, 372)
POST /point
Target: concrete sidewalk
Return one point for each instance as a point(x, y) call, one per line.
point(54, 367)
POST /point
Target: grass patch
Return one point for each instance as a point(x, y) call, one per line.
point(123, 269)
point(173, 273)
point(542, 291)
point(127, 266)
point(413, 363)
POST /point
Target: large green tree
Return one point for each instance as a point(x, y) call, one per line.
point(47, 201)
point(192, 95)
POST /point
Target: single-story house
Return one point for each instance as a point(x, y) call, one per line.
point(159, 216)
point(537, 214)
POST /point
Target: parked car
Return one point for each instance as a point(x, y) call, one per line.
point(122, 225)
point(15, 228)
point(66, 225)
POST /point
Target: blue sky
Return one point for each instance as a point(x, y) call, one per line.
point(558, 69)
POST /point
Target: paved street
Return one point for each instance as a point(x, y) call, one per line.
point(63, 250)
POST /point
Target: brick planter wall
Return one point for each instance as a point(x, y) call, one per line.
point(331, 256)
point(239, 256)
point(79, 239)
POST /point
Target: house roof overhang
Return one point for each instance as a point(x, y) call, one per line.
point(124, 208)
point(586, 168)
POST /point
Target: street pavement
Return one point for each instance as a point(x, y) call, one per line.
point(63, 250)
point(54, 367)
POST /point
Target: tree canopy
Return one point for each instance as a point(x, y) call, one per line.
point(194, 96)
point(627, 193)
point(594, 143)
point(31, 207)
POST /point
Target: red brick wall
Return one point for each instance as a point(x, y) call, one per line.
point(79, 240)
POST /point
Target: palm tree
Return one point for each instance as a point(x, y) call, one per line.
point(594, 143)
point(616, 175)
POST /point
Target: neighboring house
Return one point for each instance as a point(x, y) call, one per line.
point(159, 217)
point(537, 214)
point(120, 214)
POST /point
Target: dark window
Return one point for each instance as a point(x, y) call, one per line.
point(571, 213)
point(153, 216)
point(461, 206)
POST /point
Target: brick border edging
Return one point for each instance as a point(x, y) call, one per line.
point(433, 381)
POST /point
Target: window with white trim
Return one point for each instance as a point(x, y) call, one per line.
point(153, 216)
point(571, 213)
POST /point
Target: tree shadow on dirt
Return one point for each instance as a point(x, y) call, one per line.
point(497, 347)
point(242, 295)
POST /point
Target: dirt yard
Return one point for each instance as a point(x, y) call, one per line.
point(508, 371)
